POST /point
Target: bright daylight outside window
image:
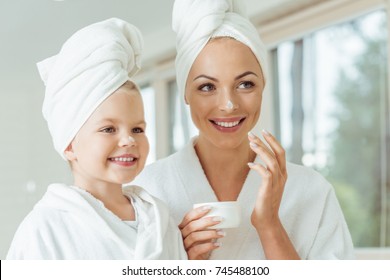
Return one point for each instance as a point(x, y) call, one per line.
point(179, 120)
point(332, 107)
point(148, 97)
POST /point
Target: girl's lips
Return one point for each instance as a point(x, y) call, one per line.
point(228, 124)
point(124, 160)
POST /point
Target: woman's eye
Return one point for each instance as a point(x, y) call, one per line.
point(207, 87)
point(108, 130)
point(137, 130)
point(246, 85)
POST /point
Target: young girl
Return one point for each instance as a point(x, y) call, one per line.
point(96, 119)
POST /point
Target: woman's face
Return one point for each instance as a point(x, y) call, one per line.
point(224, 91)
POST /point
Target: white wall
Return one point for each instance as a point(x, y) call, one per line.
point(28, 163)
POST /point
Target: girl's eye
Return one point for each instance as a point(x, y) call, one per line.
point(137, 130)
point(108, 130)
point(207, 87)
point(246, 85)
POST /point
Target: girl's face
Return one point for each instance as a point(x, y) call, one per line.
point(224, 91)
point(111, 147)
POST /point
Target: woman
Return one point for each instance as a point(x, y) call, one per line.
point(221, 69)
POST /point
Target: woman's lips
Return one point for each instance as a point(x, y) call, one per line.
point(227, 124)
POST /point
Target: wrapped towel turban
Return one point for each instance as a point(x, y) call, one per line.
point(197, 21)
point(91, 65)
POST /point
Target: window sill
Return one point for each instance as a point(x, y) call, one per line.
point(374, 253)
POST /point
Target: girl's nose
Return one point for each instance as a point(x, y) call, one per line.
point(127, 141)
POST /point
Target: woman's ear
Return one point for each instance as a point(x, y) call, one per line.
point(69, 153)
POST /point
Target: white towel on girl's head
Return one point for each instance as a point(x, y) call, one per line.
point(196, 21)
point(92, 64)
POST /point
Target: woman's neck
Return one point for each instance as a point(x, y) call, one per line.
point(225, 169)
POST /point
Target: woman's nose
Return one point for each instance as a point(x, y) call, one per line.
point(127, 141)
point(227, 102)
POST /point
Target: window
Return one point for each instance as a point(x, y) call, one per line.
point(332, 115)
point(182, 127)
point(148, 97)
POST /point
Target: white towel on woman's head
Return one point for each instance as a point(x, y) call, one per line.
point(92, 64)
point(196, 21)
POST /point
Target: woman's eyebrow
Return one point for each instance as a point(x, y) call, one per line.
point(245, 74)
point(236, 78)
point(207, 77)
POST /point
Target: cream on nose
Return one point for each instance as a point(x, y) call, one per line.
point(127, 141)
point(131, 139)
point(229, 105)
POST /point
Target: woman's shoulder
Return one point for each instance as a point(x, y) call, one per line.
point(163, 167)
point(297, 170)
point(310, 180)
point(157, 178)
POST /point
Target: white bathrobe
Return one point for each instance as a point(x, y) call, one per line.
point(69, 223)
point(309, 209)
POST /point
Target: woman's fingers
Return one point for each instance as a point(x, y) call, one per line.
point(278, 150)
point(266, 155)
point(265, 174)
point(256, 140)
point(203, 236)
point(194, 214)
point(274, 159)
point(202, 251)
point(197, 238)
point(200, 224)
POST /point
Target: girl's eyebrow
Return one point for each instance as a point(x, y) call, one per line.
point(141, 123)
point(111, 120)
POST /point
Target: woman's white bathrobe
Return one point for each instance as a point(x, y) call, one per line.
point(69, 223)
point(309, 209)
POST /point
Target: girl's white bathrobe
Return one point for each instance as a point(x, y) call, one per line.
point(309, 209)
point(69, 223)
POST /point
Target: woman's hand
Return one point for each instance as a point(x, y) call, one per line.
point(265, 215)
point(198, 240)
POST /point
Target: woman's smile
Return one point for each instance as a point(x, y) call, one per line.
point(227, 124)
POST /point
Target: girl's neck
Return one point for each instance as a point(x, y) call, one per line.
point(111, 195)
point(100, 190)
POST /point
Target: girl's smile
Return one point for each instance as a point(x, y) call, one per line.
point(126, 160)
